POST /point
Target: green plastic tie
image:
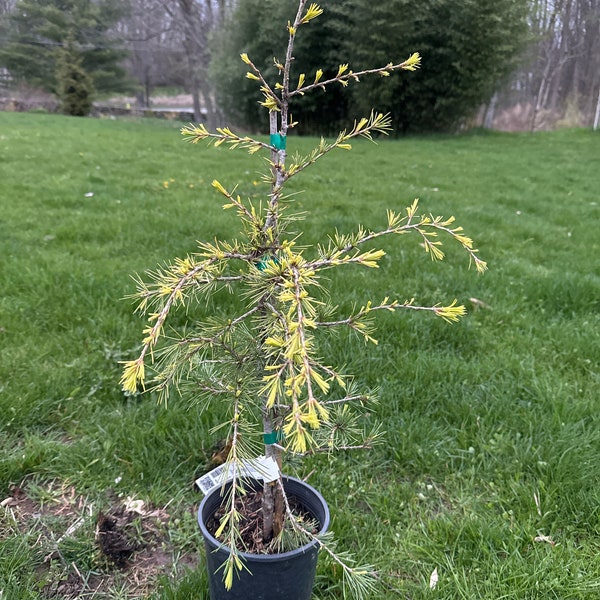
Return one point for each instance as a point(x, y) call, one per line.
point(278, 141)
point(261, 265)
point(273, 437)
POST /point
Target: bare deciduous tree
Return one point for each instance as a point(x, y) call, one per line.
point(195, 20)
point(561, 72)
point(146, 32)
point(169, 45)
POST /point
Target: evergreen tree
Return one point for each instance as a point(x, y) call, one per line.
point(263, 39)
point(467, 46)
point(38, 31)
point(74, 85)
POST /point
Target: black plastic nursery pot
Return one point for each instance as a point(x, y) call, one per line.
point(286, 576)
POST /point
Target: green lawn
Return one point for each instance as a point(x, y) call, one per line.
point(490, 472)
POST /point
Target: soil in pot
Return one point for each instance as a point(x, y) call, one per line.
point(249, 507)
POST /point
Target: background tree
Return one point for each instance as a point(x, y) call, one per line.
point(467, 47)
point(74, 86)
point(40, 28)
point(6, 6)
point(560, 72)
point(247, 31)
point(147, 31)
point(169, 45)
point(195, 21)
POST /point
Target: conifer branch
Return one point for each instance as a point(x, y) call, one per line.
point(344, 76)
point(360, 580)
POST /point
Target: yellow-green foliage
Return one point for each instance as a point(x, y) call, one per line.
point(266, 362)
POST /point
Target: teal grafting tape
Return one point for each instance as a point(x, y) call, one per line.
point(261, 265)
point(270, 438)
point(273, 437)
point(278, 141)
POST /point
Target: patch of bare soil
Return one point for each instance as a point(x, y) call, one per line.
point(115, 535)
point(71, 588)
point(90, 552)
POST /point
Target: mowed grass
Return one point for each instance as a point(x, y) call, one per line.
point(490, 470)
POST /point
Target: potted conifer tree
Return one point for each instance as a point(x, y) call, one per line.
point(284, 398)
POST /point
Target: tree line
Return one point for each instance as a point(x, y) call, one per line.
point(540, 58)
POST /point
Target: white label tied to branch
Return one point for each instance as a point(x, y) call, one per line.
point(257, 468)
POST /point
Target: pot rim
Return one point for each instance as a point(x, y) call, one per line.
point(266, 557)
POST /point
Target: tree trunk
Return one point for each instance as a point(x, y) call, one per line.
point(196, 26)
point(206, 91)
point(272, 504)
point(490, 111)
point(196, 100)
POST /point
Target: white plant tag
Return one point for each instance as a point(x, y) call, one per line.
point(257, 468)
